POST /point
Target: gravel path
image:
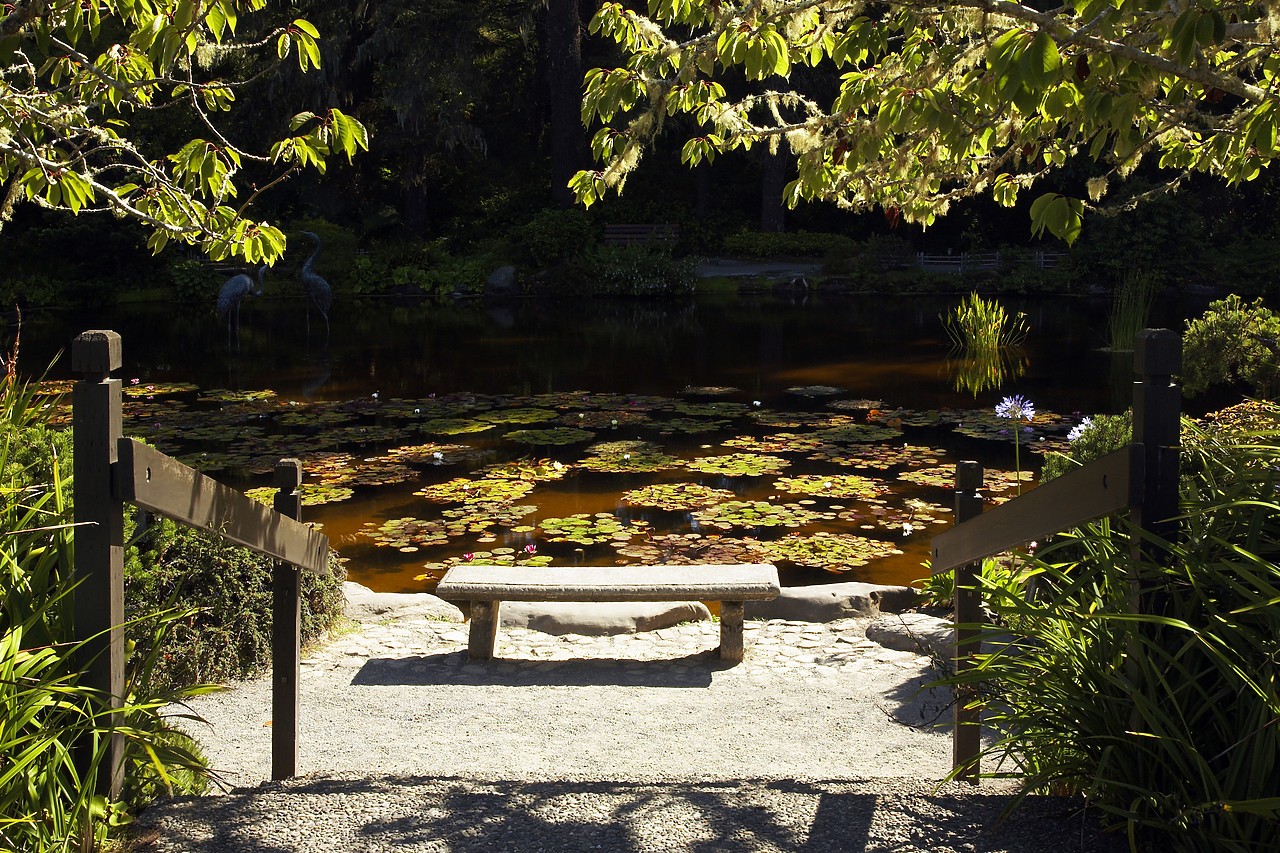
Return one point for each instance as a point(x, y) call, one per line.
point(818, 741)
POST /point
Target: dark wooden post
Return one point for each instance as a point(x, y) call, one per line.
point(1157, 407)
point(286, 619)
point(966, 739)
point(98, 537)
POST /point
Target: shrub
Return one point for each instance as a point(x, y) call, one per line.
point(1233, 341)
point(756, 244)
point(1165, 716)
point(554, 237)
point(1092, 440)
point(190, 281)
point(624, 271)
point(226, 590)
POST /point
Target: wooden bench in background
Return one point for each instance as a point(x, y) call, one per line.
point(486, 587)
point(640, 235)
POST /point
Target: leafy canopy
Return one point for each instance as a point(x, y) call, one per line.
point(73, 72)
point(938, 101)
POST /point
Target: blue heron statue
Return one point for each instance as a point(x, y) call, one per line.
point(318, 290)
point(233, 292)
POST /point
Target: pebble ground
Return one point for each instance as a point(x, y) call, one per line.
point(820, 740)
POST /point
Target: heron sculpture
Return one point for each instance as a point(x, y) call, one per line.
point(318, 290)
point(233, 292)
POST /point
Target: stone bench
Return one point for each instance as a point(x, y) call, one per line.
point(486, 587)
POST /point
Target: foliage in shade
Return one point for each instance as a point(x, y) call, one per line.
point(1165, 716)
point(1233, 341)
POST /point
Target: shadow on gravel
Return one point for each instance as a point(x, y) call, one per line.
point(568, 816)
point(689, 671)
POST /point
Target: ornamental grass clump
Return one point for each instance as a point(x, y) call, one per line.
point(48, 799)
point(977, 324)
point(1163, 714)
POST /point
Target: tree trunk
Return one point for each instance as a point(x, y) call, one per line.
point(564, 79)
point(773, 177)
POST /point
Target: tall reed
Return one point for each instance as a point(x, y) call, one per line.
point(984, 325)
point(1131, 305)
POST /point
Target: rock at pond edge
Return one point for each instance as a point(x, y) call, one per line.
point(832, 601)
point(365, 605)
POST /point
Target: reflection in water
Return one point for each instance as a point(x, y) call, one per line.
point(975, 370)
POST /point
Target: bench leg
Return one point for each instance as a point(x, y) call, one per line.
point(482, 638)
point(731, 631)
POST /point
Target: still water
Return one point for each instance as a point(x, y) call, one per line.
point(402, 410)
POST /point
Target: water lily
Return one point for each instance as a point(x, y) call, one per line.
point(529, 549)
point(468, 557)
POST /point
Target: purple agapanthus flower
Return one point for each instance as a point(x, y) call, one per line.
point(1017, 407)
point(1079, 429)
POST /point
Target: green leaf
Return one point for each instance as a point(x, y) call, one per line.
point(283, 44)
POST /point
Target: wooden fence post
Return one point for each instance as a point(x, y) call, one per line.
point(98, 537)
point(1157, 407)
point(966, 739)
point(286, 618)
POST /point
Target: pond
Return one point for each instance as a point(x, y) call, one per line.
point(819, 433)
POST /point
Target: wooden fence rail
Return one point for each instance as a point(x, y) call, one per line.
point(1142, 476)
point(111, 470)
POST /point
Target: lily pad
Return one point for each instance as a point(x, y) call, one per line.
point(217, 395)
point(436, 571)
point(607, 419)
point(463, 490)
point(407, 534)
point(313, 494)
point(689, 426)
point(816, 390)
point(676, 496)
point(710, 390)
point(738, 464)
point(881, 456)
point(694, 549)
point(483, 516)
point(707, 410)
point(832, 552)
point(856, 433)
point(790, 420)
point(528, 469)
point(909, 518)
point(151, 390)
point(855, 405)
point(640, 460)
point(783, 442)
point(944, 476)
point(432, 453)
point(453, 426)
point(587, 529)
point(53, 387)
point(842, 486)
point(518, 416)
point(552, 436)
point(730, 514)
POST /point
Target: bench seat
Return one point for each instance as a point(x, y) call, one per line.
point(487, 586)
